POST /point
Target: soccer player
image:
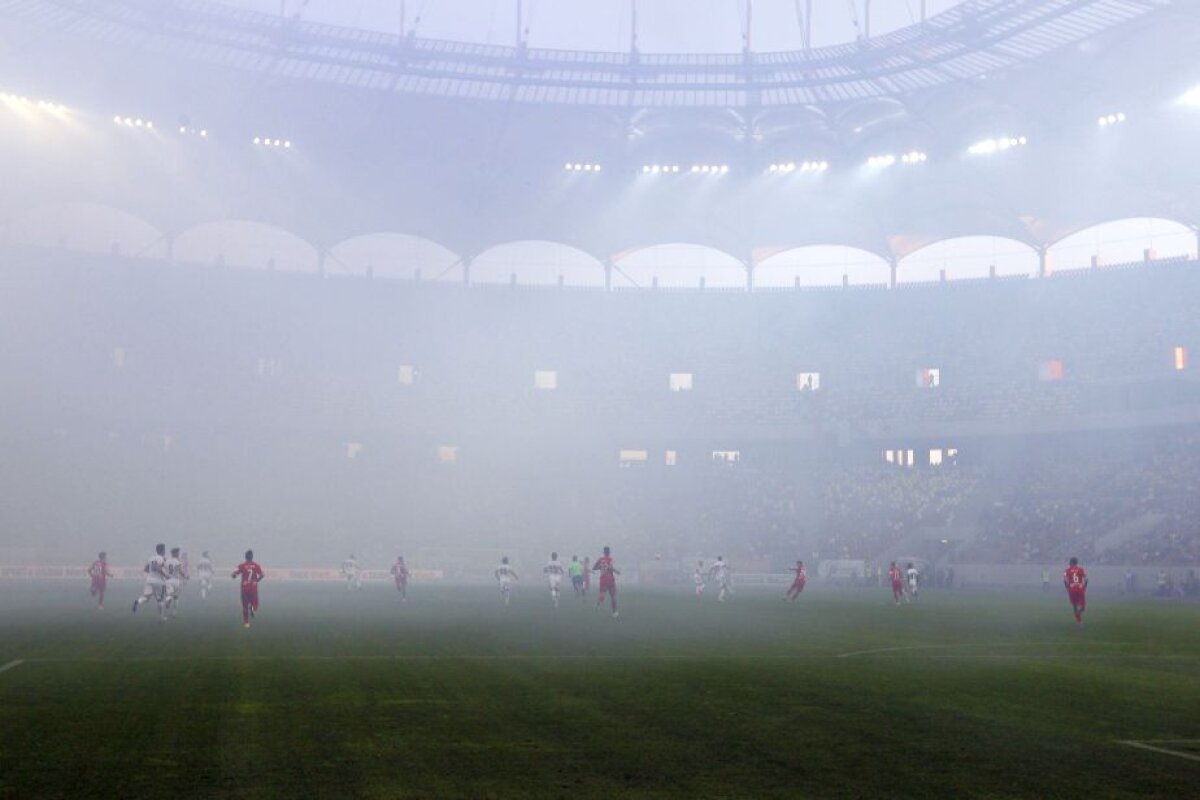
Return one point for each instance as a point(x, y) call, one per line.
point(608, 582)
point(719, 571)
point(400, 573)
point(897, 579)
point(575, 569)
point(1075, 580)
point(100, 575)
point(204, 572)
point(505, 575)
point(913, 583)
point(698, 578)
point(156, 579)
point(173, 568)
point(351, 573)
point(554, 571)
point(251, 574)
point(793, 593)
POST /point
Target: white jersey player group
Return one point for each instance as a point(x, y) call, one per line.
point(166, 576)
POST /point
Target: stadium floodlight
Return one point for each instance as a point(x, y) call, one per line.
point(881, 161)
point(1111, 119)
point(987, 147)
point(1191, 97)
point(913, 157)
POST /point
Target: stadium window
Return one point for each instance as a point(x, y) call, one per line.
point(901, 458)
point(929, 378)
point(1051, 370)
point(118, 357)
point(545, 379)
point(939, 456)
point(808, 381)
point(726, 456)
point(1181, 359)
point(352, 450)
point(681, 381)
point(630, 458)
point(406, 375)
point(671, 458)
point(447, 454)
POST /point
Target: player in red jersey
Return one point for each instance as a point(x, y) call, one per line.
point(1075, 579)
point(400, 572)
point(897, 577)
point(250, 573)
point(100, 575)
point(587, 576)
point(608, 581)
point(797, 586)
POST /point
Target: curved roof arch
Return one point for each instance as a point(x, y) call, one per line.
point(536, 262)
point(820, 265)
point(1122, 241)
point(968, 257)
point(394, 255)
point(90, 228)
point(678, 265)
point(248, 244)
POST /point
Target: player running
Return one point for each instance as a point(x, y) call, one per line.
point(204, 573)
point(400, 573)
point(173, 567)
point(352, 573)
point(251, 574)
point(897, 579)
point(100, 575)
point(506, 575)
point(554, 571)
point(1075, 580)
point(914, 585)
point(608, 582)
point(719, 572)
point(698, 578)
point(793, 592)
point(156, 580)
point(575, 570)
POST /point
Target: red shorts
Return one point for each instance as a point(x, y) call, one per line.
point(1078, 597)
point(608, 584)
point(798, 585)
point(897, 587)
point(250, 595)
point(97, 582)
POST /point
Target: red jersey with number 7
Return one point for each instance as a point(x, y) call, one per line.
point(250, 572)
point(896, 575)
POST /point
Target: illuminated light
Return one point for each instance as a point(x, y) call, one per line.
point(257, 140)
point(989, 146)
point(149, 124)
point(698, 169)
point(595, 168)
point(278, 142)
point(913, 157)
point(881, 161)
point(1191, 97)
point(655, 169)
point(117, 120)
point(203, 133)
point(140, 122)
point(182, 129)
point(724, 169)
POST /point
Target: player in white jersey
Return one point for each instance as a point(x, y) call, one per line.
point(698, 578)
point(156, 580)
point(554, 571)
point(351, 573)
point(506, 575)
point(910, 575)
point(173, 567)
point(204, 572)
point(719, 572)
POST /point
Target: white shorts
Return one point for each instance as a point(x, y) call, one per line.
point(554, 581)
point(155, 589)
point(912, 586)
point(172, 587)
point(505, 585)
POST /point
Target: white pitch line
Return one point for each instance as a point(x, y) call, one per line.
point(11, 665)
point(912, 647)
point(1164, 750)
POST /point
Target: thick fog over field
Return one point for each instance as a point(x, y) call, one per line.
point(242, 308)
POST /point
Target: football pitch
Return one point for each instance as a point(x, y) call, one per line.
point(351, 694)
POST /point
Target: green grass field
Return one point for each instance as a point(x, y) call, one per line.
point(336, 694)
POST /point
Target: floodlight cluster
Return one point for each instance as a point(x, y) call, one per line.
point(987, 147)
point(26, 102)
point(803, 166)
point(881, 161)
point(581, 167)
point(656, 169)
point(710, 169)
point(914, 157)
point(133, 122)
point(186, 130)
point(1191, 97)
point(1111, 119)
point(267, 141)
